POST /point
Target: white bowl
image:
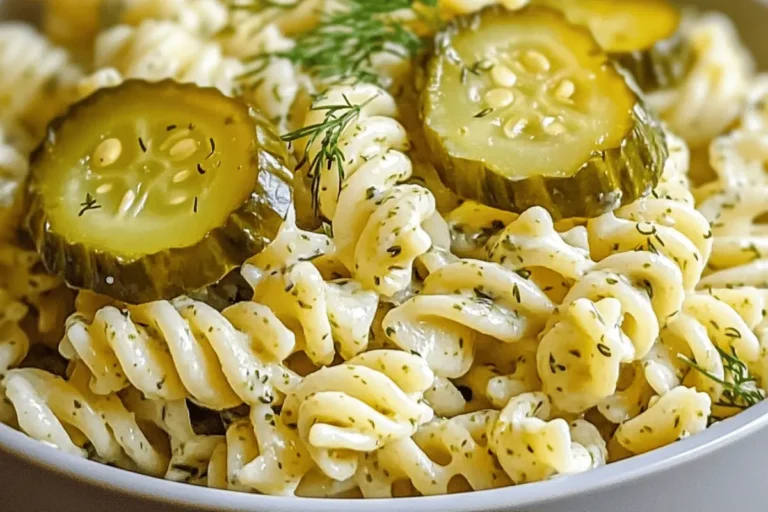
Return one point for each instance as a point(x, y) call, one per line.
point(721, 469)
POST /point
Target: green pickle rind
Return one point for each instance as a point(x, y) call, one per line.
point(175, 271)
point(663, 66)
point(609, 179)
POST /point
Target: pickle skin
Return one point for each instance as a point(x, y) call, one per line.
point(609, 179)
point(663, 66)
point(175, 271)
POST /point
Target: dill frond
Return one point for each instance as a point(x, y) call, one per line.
point(740, 387)
point(328, 132)
point(342, 46)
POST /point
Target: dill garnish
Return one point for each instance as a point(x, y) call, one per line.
point(342, 46)
point(89, 204)
point(741, 392)
point(337, 118)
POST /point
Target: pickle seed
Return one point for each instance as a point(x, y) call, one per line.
point(103, 189)
point(107, 152)
point(515, 127)
point(503, 76)
point(552, 126)
point(126, 203)
point(184, 149)
point(178, 199)
point(499, 98)
point(536, 61)
point(181, 176)
point(565, 90)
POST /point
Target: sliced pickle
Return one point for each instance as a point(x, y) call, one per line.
point(523, 109)
point(151, 190)
point(644, 36)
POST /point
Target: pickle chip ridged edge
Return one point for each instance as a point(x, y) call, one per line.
point(174, 271)
point(663, 66)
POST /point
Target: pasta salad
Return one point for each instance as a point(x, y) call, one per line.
point(371, 249)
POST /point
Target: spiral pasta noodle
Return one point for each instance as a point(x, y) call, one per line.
point(429, 461)
point(675, 415)
point(287, 277)
point(44, 403)
point(360, 406)
point(531, 447)
point(710, 97)
point(185, 349)
point(737, 202)
point(190, 453)
point(260, 453)
point(156, 50)
point(76, 23)
point(377, 223)
point(26, 293)
point(580, 356)
point(705, 324)
point(38, 78)
point(457, 305)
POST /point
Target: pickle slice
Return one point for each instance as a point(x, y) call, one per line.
point(644, 36)
point(148, 191)
point(524, 108)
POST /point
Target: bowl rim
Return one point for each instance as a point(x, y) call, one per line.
point(715, 438)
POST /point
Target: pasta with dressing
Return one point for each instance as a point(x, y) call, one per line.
point(531, 447)
point(391, 337)
point(155, 50)
point(76, 23)
point(219, 360)
point(382, 232)
point(369, 402)
point(288, 278)
point(38, 80)
point(44, 403)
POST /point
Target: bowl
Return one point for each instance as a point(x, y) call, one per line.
point(720, 469)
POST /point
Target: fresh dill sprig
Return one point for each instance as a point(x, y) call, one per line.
point(337, 118)
point(742, 391)
point(89, 204)
point(342, 46)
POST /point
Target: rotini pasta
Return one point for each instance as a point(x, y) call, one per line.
point(678, 414)
point(370, 401)
point(531, 447)
point(710, 98)
point(287, 278)
point(460, 302)
point(44, 403)
point(38, 77)
point(260, 453)
point(185, 349)
point(377, 223)
point(155, 50)
point(580, 356)
point(391, 339)
point(432, 459)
